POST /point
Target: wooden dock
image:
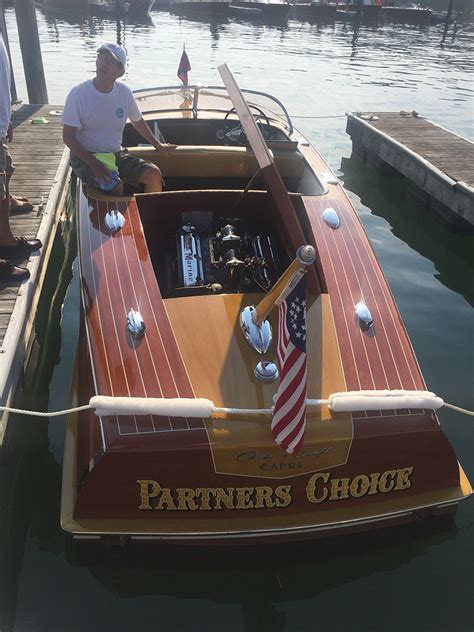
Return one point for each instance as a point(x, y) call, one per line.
point(42, 174)
point(438, 163)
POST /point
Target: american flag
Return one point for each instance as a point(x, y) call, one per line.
point(289, 413)
point(183, 68)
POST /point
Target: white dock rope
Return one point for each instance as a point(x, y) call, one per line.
point(350, 401)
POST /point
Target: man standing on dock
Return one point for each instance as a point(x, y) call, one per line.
point(94, 118)
point(12, 248)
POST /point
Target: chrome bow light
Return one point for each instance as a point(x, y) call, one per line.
point(135, 324)
point(114, 220)
point(363, 315)
point(259, 337)
point(266, 371)
point(331, 218)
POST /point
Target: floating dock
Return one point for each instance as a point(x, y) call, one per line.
point(438, 163)
point(42, 174)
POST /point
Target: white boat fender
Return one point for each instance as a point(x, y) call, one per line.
point(167, 407)
point(353, 401)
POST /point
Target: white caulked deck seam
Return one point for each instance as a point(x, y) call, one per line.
point(160, 431)
point(133, 285)
point(102, 338)
point(155, 321)
point(359, 333)
point(324, 227)
point(112, 313)
point(342, 232)
point(146, 339)
point(321, 231)
point(377, 308)
point(383, 285)
point(79, 194)
point(389, 301)
point(112, 238)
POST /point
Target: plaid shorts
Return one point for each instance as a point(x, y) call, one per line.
point(6, 169)
point(130, 168)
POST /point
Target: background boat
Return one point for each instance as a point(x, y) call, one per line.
point(269, 10)
point(203, 7)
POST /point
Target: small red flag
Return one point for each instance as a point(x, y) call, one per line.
point(289, 413)
point(184, 68)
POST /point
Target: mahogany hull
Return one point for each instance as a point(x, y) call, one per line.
point(224, 480)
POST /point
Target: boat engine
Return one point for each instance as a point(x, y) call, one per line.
point(234, 257)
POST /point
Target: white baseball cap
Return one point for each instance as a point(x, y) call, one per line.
point(118, 52)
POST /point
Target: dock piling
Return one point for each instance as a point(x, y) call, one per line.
point(31, 51)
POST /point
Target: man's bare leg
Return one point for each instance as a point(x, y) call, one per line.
point(152, 179)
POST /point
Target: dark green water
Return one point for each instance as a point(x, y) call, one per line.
point(413, 580)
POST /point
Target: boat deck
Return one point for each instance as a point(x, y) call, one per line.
point(437, 162)
point(41, 175)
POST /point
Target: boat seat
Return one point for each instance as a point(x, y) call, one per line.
point(218, 162)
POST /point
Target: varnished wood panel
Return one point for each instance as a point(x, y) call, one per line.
point(117, 275)
point(221, 367)
point(382, 357)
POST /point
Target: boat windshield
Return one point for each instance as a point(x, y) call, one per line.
point(208, 102)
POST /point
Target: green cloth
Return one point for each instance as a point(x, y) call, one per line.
point(39, 120)
point(108, 160)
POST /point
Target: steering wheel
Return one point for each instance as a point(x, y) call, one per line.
point(237, 133)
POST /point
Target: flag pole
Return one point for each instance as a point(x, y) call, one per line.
point(305, 256)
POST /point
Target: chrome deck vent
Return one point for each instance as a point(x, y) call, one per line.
point(266, 371)
point(135, 324)
point(114, 220)
point(331, 218)
point(364, 316)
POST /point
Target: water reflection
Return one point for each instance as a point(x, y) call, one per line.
point(451, 252)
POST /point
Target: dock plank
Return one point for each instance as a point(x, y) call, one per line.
point(41, 174)
point(434, 159)
point(36, 152)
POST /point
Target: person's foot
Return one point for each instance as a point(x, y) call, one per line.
point(22, 249)
point(12, 273)
point(20, 204)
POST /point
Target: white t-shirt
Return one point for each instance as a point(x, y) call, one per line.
point(5, 95)
point(100, 117)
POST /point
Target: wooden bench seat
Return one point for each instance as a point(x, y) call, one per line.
point(219, 162)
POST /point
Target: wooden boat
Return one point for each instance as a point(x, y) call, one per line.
point(109, 6)
point(245, 11)
point(179, 446)
point(202, 7)
point(269, 10)
point(386, 12)
point(315, 10)
point(407, 15)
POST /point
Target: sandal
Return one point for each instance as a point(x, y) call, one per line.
point(10, 272)
point(22, 204)
point(22, 249)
